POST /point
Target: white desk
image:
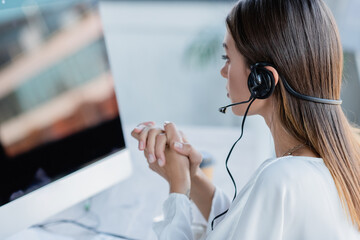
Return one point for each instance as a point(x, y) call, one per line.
point(129, 207)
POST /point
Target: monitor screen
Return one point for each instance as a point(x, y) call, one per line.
point(58, 108)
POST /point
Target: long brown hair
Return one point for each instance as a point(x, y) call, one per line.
point(301, 39)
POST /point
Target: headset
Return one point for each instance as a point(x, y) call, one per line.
point(261, 84)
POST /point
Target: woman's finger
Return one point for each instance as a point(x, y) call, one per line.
point(156, 168)
point(160, 146)
point(146, 155)
point(138, 129)
point(142, 138)
point(141, 126)
point(186, 149)
point(152, 165)
point(151, 141)
point(172, 133)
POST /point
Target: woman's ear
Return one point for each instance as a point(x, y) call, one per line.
point(274, 72)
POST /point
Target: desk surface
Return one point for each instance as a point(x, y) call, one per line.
point(130, 207)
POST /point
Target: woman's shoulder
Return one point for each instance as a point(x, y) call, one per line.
point(292, 170)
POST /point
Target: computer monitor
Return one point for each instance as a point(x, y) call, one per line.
point(60, 130)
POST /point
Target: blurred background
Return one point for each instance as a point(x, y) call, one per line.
point(166, 56)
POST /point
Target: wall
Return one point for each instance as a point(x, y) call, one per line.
point(159, 61)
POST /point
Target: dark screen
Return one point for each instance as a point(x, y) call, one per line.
point(58, 109)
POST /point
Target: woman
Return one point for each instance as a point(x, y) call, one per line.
point(284, 59)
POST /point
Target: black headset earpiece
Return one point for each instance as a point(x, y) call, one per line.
point(261, 81)
point(261, 84)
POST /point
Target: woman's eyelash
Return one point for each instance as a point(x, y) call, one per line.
point(225, 57)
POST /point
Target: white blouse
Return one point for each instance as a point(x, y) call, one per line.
point(290, 197)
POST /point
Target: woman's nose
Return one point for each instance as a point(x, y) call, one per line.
point(223, 71)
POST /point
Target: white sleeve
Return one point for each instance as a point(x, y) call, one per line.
point(220, 204)
point(177, 219)
point(177, 223)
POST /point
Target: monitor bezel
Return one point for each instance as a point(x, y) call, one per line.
point(64, 193)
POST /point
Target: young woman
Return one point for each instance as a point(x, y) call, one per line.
point(284, 60)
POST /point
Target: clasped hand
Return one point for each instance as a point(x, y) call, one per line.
point(169, 154)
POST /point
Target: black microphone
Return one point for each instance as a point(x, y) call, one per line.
point(223, 109)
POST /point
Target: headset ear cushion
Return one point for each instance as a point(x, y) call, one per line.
point(261, 82)
point(252, 84)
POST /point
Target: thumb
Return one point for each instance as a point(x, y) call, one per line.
point(187, 150)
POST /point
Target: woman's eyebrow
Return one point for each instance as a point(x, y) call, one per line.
point(225, 46)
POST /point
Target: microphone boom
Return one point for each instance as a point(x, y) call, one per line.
point(223, 109)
